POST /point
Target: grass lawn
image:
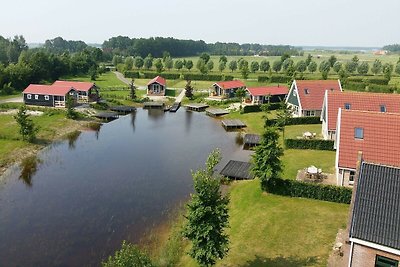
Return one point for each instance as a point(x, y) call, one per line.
point(271, 230)
point(294, 131)
point(7, 148)
point(104, 81)
point(254, 120)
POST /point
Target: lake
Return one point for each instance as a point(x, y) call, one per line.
point(89, 193)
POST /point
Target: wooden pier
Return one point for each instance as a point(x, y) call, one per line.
point(107, 116)
point(238, 170)
point(251, 140)
point(197, 107)
point(233, 124)
point(151, 105)
point(123, 109)
point(215, 112)
point(175, 107)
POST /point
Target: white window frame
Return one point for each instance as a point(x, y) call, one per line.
point(362, 133)
point(28, 96)
point(46, 97)
point(36, 97)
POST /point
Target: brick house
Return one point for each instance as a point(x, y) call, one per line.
point(266, 94)
point(375, 134)
point(157, 86)
point(374, 232)
point(306, 97)
point(226, 89)
point(334, 100)
point(87, 91)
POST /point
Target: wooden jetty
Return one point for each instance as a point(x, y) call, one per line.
point(175, 107)
point(123, 109)
point(215, 112)
point(238, 170)
point(197, 107)
point(232, 124)
point(150, 105)
point(250, 140)
point(107, 116)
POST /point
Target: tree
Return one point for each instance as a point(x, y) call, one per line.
point(128, 63)
point(159, 65)
point(223, 59)
point(201, 66)
point(205, 57)
point(165, 55)
point(343, 75)
point(139, 62)
point(387, 70)
point(93, 73)
point(245, 71)
point(207, 216)
point(309, 59)
point(69, 104)
point(189, 65)
point(27, 128)
point(284, 57)
point(210, 65)
point(132, 89)
point(312, 67)
point(363, 68)
point(277, 66)
point(254, 66)
point(168, 63)
point(240, 93)
point(324, 68)
point(189, 90)
point(264, 65)
point(351, 66)
point(148, 62)
point(301, 66)
point(283, 115)
point(287, 63)
point(233, 65)
point(178, 64)
point(128, 256)
point(221, 66)
point(376, 66)
point(337, 66)
point(242, 62)
point(332, 60)
point(266, 159)
point(397, 69)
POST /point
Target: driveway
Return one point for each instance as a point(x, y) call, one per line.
point(14, 99)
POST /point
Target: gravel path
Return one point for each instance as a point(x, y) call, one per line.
point(15, 99)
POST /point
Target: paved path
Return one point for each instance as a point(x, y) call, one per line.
point(14, 99)
point(180, 96)
point(121, 77)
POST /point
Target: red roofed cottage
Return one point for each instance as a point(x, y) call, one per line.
point(157, 86)
point(267, 94)
point(306, 96)
point(226, 89)
point(87, 91)
point(48, 95)
point(374, 134)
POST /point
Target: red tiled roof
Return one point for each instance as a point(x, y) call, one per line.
point(270, 90)
point(360, 101)
point(381, 142)
point(80, 86)
point(316, 92)
point(159, 80)
point(40, 89)
point(230, 84)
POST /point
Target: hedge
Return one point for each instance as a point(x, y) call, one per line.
point(296, 121)
point(166, 75)
point(263, 78)
point(309, 144)
point(295, 188)
point(370, 80)
point(274, 79)
point(257, 108)
point(131, 74)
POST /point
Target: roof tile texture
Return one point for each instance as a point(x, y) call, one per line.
point(314, 99)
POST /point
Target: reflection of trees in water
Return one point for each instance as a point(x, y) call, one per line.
point(188, 120)
point(155, 114)
point(133, 118)
point(239, 139)
point(28, 169)
point(72, 137)
point(95, 126)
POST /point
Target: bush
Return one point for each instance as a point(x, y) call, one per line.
point(166, 75)
point(256, 108)
point(131, 74)
point(309, 144)
point(128, 255)
point(280, 79)
point(294, 188)
point(262, 79)
point(369, 80)
point(99, 105)
point(296, 121)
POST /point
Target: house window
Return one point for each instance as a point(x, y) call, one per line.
point(347, 105)
point(306, 91)
point(310, 113)
point(36, 97)
point(46, 97)
point(71, 93)
point(29, 96)
point(351, 176)
point(383, 108)
point(381, 261)
point(359, 133)
point(294, 92)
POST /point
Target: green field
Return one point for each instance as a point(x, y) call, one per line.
point(104, 81)
point(271, 230)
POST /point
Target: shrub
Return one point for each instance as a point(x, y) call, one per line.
point(296, 121)
point(128, 255)
point(368, 80)
point(131, 74)
point(309, 144)
point(256, 108)
point(262, 79)
point(294, 188)
point(99, 105)
point(280, 79)
point(166, 75)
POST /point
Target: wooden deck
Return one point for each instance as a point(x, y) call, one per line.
point(232, 124)
point(238, 170)
point(123, 109)
point(107, 116)
point(175, 107)
point(197, 107)
point(250, 140)
point(159, 105)
point(215, 112)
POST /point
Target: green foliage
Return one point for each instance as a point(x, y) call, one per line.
point(266, 159)
point(264, 65)
point(189, 64)
point(312, 67)
point(296, 121)
point(189, 90)
point(283, 116)
point(287, 63)
point(28, 130)
point(132, 90)
point(201, 65)
point(159, 65)
point(363, 68)
point(233, 65)
point(245, 71)
point(178, 64)
point(223, 59)
point(71, 113)
point(397, 69)
point(168, 63)
point(131, 74)
point(324, 68)
point(368, 80)
point(337, 66)
point(139, 62)
point(210, 65)
point(332, 60)
point(274, 79)
point(221, 66)
point(254, 66)
point(128, 256)
point(294, 188)
point(316, 144)
point(376, 66)
point(301, 66)
point(99, 105)
point(128, 63)
point(148, 62)
point(205, 57)
point(351, 66)
point(166, 75)
point(207, 216)
point(387, 70)
point(309, 59)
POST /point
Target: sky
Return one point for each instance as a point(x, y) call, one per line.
point(294, 22)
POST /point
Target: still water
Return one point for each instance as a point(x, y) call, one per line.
point(86, 195)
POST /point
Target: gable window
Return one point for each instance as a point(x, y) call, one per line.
point(46, 97)
point(29, 96)
point(359, 133)
point(36, 97)
point(351, 177)
point(347, 106)
point(306, 91)
point(381, 261)
point(383, 108)
point(71, 93)
point(294, 93)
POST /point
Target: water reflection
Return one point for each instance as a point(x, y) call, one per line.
point(239, 139)
point(188, 121)
point(155, 114)
point(95, 126)
point(28, 169)
point(72, 137)
point(133, 118)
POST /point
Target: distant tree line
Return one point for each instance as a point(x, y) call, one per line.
point(394, 48)
point(20, 66)
point(125, 46)
point(58, 46)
